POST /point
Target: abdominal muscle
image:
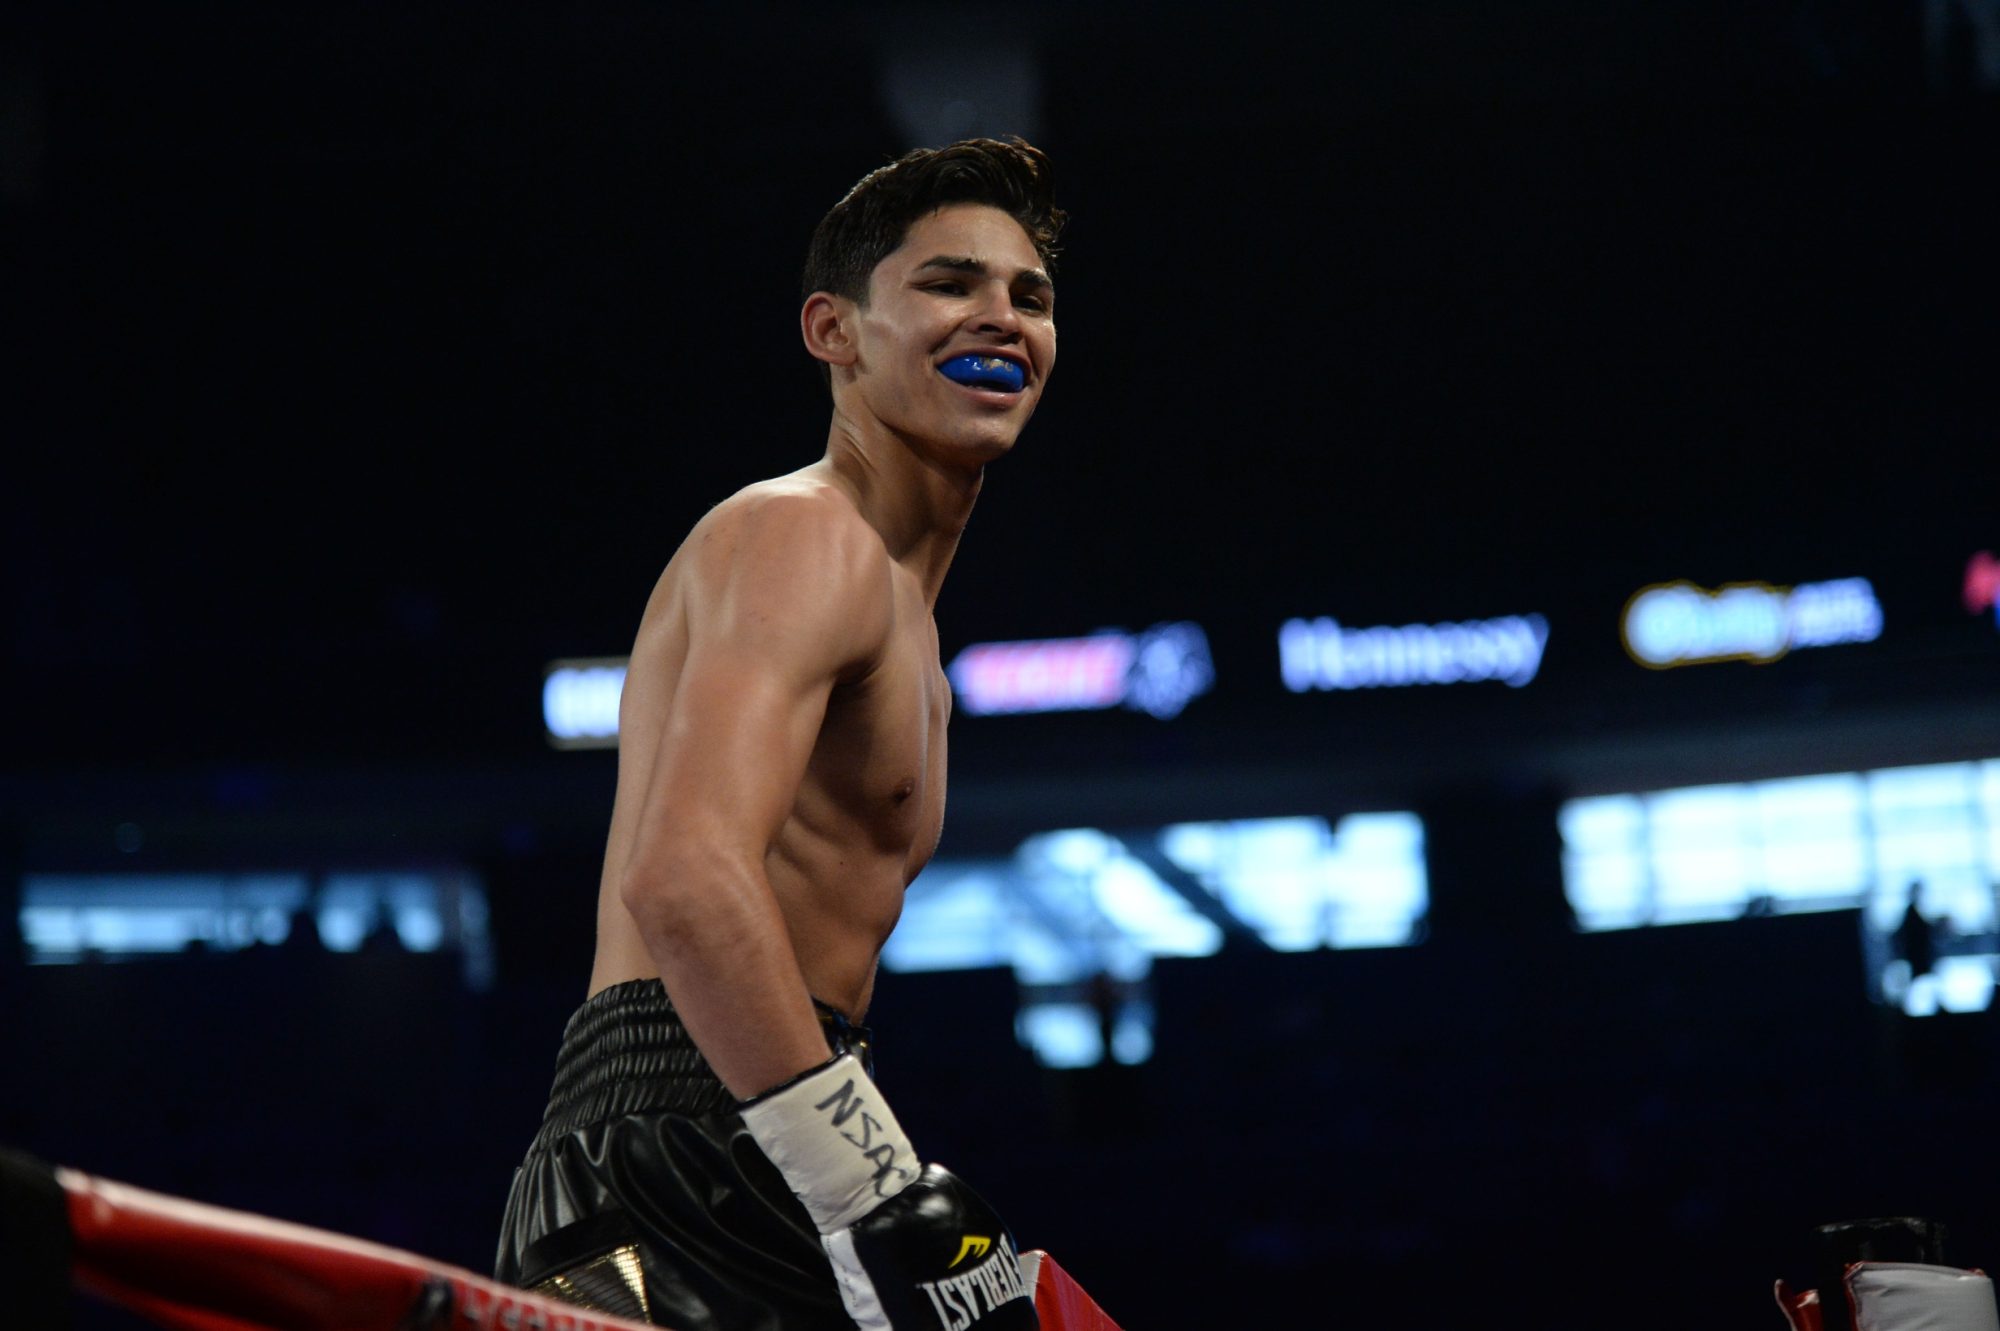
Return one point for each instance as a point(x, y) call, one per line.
point(839, 896)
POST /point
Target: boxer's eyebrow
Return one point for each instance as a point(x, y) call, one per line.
point(971, 267)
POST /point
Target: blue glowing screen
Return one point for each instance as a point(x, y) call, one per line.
point(1914, 848)
point(1070, 905)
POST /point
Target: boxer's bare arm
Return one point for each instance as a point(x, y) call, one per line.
point(784, 596)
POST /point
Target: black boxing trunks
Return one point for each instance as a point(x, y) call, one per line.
point(644, 1195)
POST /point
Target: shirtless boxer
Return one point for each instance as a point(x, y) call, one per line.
point(714, 1153)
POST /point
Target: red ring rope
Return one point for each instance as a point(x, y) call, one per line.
point(192, 1267)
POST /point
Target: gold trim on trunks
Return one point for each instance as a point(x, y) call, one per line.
point(614, 1283)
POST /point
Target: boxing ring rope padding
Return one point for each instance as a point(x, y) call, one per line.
point(1060, 1302)
point(189, 1266)
point(193, 1267)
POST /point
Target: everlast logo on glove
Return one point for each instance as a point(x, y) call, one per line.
point(963, 1299)
point(934, 1257)
point(911, 1246)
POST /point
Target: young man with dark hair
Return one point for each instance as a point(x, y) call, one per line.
point(714, 1153)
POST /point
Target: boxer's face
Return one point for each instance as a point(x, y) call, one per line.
point(966, 280)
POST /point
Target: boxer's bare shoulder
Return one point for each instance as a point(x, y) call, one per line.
point(790, 547)
point(784, 700)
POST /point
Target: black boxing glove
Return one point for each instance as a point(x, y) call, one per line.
point(913, 1248)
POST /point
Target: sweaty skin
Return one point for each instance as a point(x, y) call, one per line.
point(781, 771)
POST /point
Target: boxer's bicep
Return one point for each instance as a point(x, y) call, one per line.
point(778, 611)
point(738, 738)
point(782, 603)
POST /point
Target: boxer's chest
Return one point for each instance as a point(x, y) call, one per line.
point(883, 754)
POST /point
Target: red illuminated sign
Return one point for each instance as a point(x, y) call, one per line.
point(1982, 584)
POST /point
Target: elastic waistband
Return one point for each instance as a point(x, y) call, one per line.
point(625, 1052)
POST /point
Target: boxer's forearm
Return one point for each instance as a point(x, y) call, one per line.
point(712, 927)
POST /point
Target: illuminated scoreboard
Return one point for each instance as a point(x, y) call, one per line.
point(1327, 657)
point(1323, 654)
point(1678, 623)
point(1158, 671)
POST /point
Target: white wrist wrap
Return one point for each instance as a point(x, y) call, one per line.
point(836, 1143)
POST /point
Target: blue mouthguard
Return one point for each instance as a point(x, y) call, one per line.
point(984, 372)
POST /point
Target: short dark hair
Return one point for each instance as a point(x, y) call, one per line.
point(870, 223)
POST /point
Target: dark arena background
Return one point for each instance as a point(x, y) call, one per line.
point(1491, 811)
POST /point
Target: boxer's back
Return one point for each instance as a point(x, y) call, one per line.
point(870, 805)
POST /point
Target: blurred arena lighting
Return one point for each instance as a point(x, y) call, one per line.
point(1678, 623)
point(1915, 849)
point(1982, 585)
point(69, 918)
point(1323, 654)
point(1068, 1033)
point(580, 702)
point(1157, 671)
point(939, 89)
point(1078, 914)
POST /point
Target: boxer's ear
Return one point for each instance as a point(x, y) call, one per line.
point(826, 322)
